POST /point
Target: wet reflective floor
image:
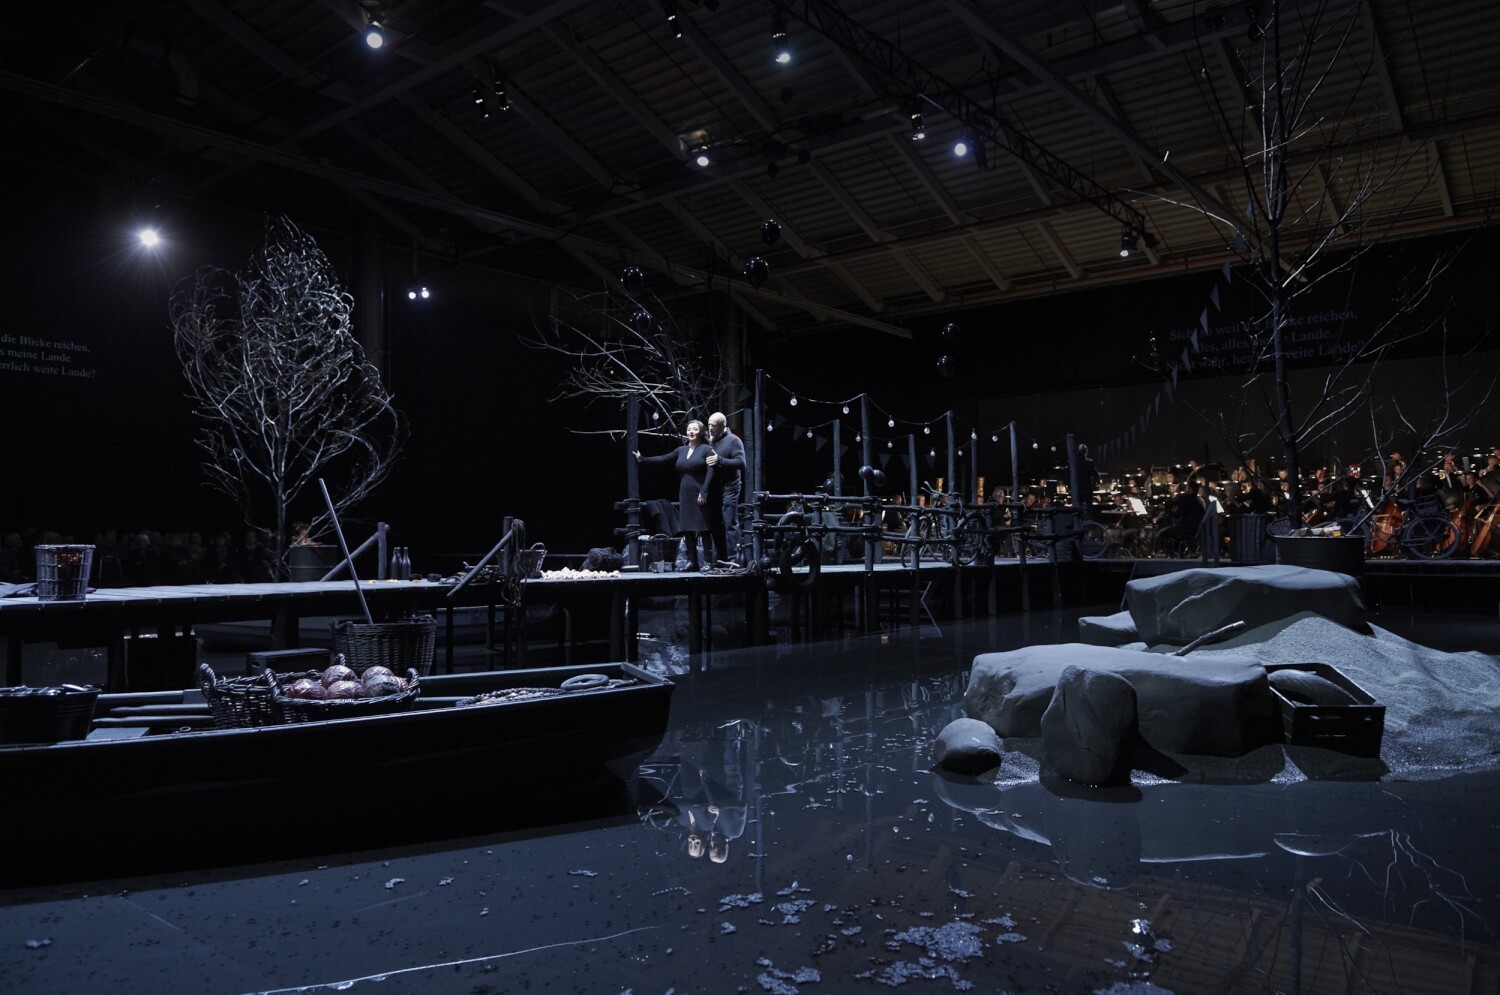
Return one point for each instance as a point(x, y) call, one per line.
point(790, 836)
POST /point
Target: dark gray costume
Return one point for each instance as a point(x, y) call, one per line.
point(724, 495)
point(696, 476)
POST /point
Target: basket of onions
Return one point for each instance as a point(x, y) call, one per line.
point(340, 693)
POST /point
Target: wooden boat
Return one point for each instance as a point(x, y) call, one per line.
point(155, 787)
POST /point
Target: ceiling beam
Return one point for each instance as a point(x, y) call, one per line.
point(1049, 234)
point(1059, 84)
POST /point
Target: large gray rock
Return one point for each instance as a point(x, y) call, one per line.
point(1089, 728)
point(1108, 630)
point(1219, 706)
point(967, 746)
point(1179, 607)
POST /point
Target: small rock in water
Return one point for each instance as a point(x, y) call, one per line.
point(967, 746)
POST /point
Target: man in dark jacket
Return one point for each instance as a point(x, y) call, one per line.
point(728, 461)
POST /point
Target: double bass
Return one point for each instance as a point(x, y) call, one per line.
point(1383, 526)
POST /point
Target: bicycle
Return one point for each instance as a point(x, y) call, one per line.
point(932, 531)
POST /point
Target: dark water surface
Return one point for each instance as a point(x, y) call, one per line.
point(790, 836)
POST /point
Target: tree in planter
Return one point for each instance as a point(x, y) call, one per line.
point(1322, 187)
point(282, 385)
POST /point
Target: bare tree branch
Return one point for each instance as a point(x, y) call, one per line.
point(282, 385)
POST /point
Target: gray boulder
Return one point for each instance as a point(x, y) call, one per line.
point(1219, 706)
point(1179, 607)
point(967, 746)
point(1108, 630)
point(1089, 727)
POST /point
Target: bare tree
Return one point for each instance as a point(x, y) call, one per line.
point(1323, 184)
point(622, 348)
point(282, 385)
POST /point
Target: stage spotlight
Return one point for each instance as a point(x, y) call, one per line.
point(150, 237)
point(961, 147)
point(1127, 241)
point(670, 11)
point(424, 293)
point(700, 157)
point(918, 124)
point(781, 49)
point(411, 295)
point(374, 35)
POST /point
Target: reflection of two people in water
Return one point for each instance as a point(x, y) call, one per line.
point(702, 793)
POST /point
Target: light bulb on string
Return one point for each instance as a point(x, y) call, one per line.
point(932, 454)
point(889, 444)
point(926, 429)
point(794, 400)
point(994, 438)
point(960, 452)
point(1054, 449)
point(1035, 446)
point(846, 409)
point(973, 435)
point(809, 433)
point(656, 416)
point(890, 423)
point(857, 437)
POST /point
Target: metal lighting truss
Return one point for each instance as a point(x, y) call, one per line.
point(880, 55)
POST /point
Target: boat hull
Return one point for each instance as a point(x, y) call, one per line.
point(98, 808)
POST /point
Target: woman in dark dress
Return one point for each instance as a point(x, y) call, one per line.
point(692, 493)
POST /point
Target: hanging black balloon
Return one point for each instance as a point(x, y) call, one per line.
point(756, 271)
point(950, 334)
point(633, 279)
point(770, 231)
point(642, 321)
point(947, 365)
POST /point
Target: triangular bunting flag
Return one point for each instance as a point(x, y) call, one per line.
point(778, 421)
point(745, 395)
point(1158, 402)
point(1195, 339)
point(1226, 272)
point(1174, 376)
point(1203, 321)
point(1214, 296)
point(821, 442)
point(885, 460)
point(1187, 362)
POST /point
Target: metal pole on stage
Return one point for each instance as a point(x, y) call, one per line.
point(381, 552)
point(866, 456)
point(1015, 495)
point(1073, 489)
point(1015, 465)
point(838, 441)
point(758, 435)
point(974, 469)
point(911, 462)
point(952, 487)
point(632, 481)
point(837, 482)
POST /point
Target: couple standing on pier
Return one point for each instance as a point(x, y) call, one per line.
point(711, 465)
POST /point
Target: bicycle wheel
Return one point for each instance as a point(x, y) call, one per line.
point(1093, 540)
point(968, 539)
point(1429, 537)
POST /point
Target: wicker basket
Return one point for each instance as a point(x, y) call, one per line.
point(404, 645)
point(244, 702)
point(318, 709)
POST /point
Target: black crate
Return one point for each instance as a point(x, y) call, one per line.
point(1354, 729)
point(285, 661)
